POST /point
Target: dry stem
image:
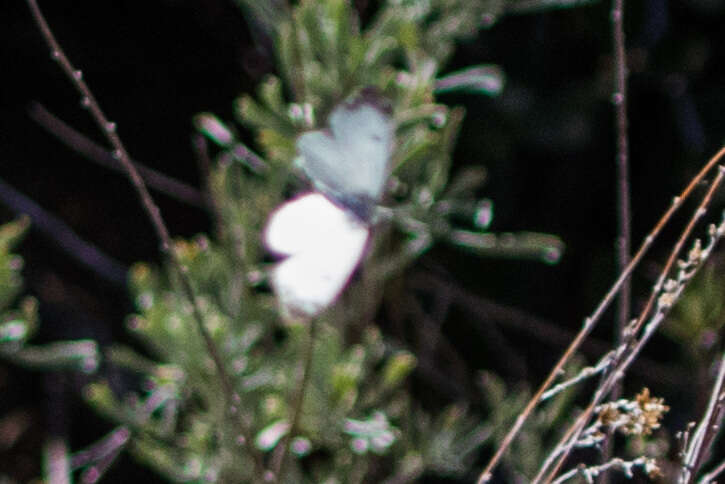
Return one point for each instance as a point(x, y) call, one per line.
point(86, 147)
point(706, 430)
point(280, 461)
point(624, 239)
point(591, 321)
point(624, 358)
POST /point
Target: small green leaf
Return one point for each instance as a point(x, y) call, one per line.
point(522, 245)
point(484, 79)
point(214, 129)
point(11, 233)
point(13, 331)
point(81, 354)
point(374, 434)
point(271, 93)
point(398, 368)
point(269, 436)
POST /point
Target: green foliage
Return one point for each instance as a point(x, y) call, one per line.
point(10, 264)
point(18, 324)
point(358, 380)
point(505, 404)
point(696, 321)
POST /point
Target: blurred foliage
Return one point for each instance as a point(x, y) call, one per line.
point(697, 319)
point(359, 422)
point(547, 422)
point(696, 322)
point(19, 324)
point(10, 264)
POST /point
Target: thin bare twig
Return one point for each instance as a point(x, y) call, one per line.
point(622, 158)
point(706, 430)
point(709, 478)
point(624, 359)
point(622, 465)
point(583, 374)
point(94, 152)
point(64, 236)
point(591, 321)
point(108, 128)
point(624, 239)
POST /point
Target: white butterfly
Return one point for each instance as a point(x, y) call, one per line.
point(323, 234)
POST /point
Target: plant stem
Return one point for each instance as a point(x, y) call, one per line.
point(280, 461)
point(108, 128)
point(707, 430)
point(625, 358)
point(622, 161)
point(82, 144)
point(624, 236)
point(590, 322)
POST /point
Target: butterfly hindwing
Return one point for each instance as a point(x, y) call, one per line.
point(298, 224)
point(322, 243)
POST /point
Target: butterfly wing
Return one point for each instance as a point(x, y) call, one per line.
point(323, 242)
point(297, 225)
point(364, 134)
point(322, 161)
point(351, 160)
point(323, 245)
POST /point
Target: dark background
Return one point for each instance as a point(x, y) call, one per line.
point(547, 143)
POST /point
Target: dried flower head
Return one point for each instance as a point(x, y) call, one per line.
point(633, 417)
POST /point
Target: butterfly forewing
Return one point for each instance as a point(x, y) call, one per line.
point(351, 159)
